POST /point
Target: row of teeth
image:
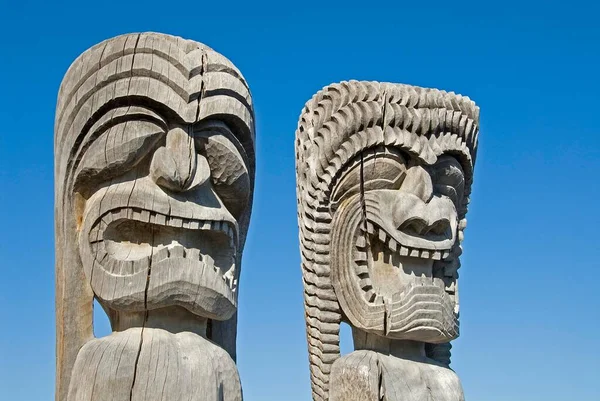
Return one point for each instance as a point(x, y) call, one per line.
point(146, 216)
point(175, 250)
point(402, 250)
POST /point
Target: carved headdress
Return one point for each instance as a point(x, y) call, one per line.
point(345, 130)
point(117, 103)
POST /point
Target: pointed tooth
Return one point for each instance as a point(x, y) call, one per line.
point(365, 283)
point(209, 262)
point(361, 269)
point(176, 251)
point(160, 219)
point(360, 256)
point(229, 276)
point(160, 254)
point(382, 235)
point(192, 253)
point(392, 245)
point(361, 242)
point(119, 214)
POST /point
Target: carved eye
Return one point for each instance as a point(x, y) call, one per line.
point(382, 168)
point(449, 179)
point(228, 164)
point(125, 139)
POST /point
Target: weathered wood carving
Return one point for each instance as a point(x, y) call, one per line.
point(384, 173)
point(154, 159)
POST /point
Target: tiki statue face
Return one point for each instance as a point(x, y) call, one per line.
point(158, 197)
point(155, 172)
point(396, 233)
point(384, 173)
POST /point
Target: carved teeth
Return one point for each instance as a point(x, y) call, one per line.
point(159, 255)
point(193, 253)
point(209, 262)
point(161, 219)
point(392, 245)
point(176, 250)
point(381, 235)
point(229, 277)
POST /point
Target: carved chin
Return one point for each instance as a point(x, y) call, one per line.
point(138, 260)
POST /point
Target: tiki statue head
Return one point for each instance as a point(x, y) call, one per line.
point(384, 173)
point(154, 145)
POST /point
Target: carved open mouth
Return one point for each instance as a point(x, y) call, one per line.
point(128, 240)
point(389, 269)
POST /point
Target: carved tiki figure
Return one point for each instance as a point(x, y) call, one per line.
point(154, 147)
point(384, 173)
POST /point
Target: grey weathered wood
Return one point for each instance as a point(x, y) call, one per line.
point(384, 173)
point(154, 158)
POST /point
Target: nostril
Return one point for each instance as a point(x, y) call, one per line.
point(414, 226)
point(439, 227)
point(418, 226)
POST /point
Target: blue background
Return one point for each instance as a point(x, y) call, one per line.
point(530, 276)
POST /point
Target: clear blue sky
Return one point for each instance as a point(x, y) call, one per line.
point(530, 277)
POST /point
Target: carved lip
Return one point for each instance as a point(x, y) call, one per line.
point(128, 240)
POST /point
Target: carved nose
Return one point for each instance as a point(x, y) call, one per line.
point(418, 182)
point(176, 166)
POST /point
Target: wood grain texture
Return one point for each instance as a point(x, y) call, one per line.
point(383, 172)
point(154, 167)
point(167, 366)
